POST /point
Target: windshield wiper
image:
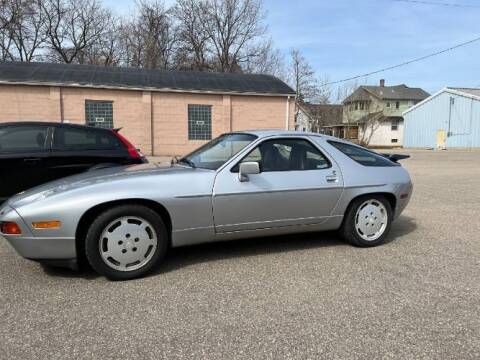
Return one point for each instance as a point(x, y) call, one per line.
point(187, 161)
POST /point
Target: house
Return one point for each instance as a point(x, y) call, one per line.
point(318, 117)
point(377, 111)
point(448, 119)
point(161, 112)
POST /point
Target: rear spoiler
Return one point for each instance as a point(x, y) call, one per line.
point(117, 129)
point(395, 157)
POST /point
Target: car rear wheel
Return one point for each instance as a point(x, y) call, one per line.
point(367, 221)
point(126, 242)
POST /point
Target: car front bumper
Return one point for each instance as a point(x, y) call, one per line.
point(34, 247)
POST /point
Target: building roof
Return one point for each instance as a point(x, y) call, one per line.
point(397, 92)
point(71, 75)
point(472, 93)
point(327, 114)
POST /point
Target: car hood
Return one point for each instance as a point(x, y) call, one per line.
point(95, 177)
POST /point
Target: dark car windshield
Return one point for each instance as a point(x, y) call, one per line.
point(218, 151)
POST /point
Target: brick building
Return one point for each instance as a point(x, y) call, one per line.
point(161, 112)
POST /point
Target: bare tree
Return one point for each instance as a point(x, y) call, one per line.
point(21, 29)
point(193, 51)
point(107, 50)
point(303, 80)
point(325, 90)
point(73, 25)
point(233, 28)
point(267, 61)
point(150, 37)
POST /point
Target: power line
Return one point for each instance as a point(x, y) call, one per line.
point(424, 2)
point(406, 62)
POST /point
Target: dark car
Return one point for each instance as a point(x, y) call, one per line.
point(32, 153)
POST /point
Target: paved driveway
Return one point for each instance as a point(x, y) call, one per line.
point(304, 297)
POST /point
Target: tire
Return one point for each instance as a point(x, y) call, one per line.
point(375, 213)
point(126, 242)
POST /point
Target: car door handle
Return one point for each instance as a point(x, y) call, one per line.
point(332, 178)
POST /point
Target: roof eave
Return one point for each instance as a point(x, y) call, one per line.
point(445, 89)
point(153, 89)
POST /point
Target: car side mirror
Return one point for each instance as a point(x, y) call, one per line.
point(248, 168)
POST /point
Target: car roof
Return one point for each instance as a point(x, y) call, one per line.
point(49, 123)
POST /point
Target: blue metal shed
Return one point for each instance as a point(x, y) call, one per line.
point(448, 119)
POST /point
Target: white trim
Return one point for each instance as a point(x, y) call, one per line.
point(165, 90)
point(287, 120)
point(445, 89)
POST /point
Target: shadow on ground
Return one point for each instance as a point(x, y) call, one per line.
point(178, 258)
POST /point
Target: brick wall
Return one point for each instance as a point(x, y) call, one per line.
point(133, 111)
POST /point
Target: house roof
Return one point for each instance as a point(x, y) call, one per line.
point(472, 93)
point(37, 73)
point(397, 92)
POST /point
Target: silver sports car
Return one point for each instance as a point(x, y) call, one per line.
point(122, 220)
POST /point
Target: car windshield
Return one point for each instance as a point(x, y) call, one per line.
point(218, 151)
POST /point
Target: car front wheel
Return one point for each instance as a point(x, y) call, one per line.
point(367, 221)
point(126, 242)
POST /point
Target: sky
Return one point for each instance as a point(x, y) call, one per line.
point(344, 38)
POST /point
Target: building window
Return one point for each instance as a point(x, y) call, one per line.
point(394, 141)
point(397, 105)
point(99, 113)
point(356, 105)
point(199, 122)
point(388, 104)
point(394, 125)
point(362, 105)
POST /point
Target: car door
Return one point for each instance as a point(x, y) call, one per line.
point(298, 185)
point(76, 149)
point(24, 150)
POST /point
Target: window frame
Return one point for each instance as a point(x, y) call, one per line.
point(397, 105)
point(235, 168)
point(388, 105)
point(48, 140)
point(394, 125)
point(189, 132)
point(90, 101)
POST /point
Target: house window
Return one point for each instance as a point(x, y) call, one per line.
point(362, 105)
point(356, 105)
point(99, 113)
point(397, 105)
point(394, 125)
point(388, 104)
point(199, 122)
point(394, 141)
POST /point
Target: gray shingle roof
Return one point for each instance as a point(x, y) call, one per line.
point(131, 78)
point(397, 92)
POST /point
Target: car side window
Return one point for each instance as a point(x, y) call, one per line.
point(362, 156)
point(23, 138)
point(287, 155)
point(83, 139)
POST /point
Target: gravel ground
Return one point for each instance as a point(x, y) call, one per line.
point(305, 297)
